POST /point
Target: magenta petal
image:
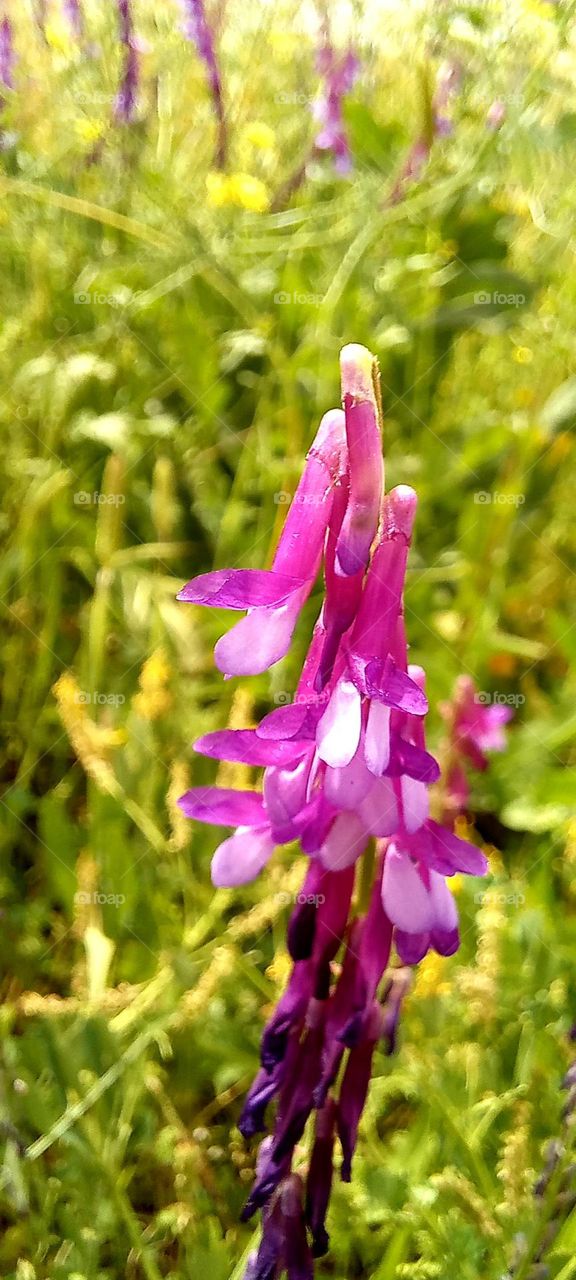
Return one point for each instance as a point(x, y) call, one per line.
point(243, 746)
point(411, 947)
point(414, 761)
point(224, 806)
point(297, 720)
point(448, 853)
point(387, 683)
point(239, 588)
point(363, 435)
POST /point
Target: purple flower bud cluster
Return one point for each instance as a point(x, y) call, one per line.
point(347, 774)
point(125, 104)
point(7, 55)
point(196, 28)
point(475, 727)
point(338, 73)
point(73, 13)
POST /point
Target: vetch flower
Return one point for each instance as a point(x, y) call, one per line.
point(347, 774)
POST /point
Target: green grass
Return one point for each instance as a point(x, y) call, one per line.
point(133, 994)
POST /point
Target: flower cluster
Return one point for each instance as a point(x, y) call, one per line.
point(338, 73)
point(474, 729)
point(347, 773)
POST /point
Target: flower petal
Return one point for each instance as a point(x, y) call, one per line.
point(379, 809)
point(404, 896)
point(344, 843)
point(243, 746)
point(339, 729)
point(261, 638)
point(224, 806)
point(415, 803)
point(377, 741)
point(241, 857)
point(239, 588)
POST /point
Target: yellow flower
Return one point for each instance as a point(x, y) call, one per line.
point(239, 189)
point(154, 699)
point(89, 130)
point(217, 189)
point(523, 355)
point(58, 36)
point(248, 192)
point(259, 135)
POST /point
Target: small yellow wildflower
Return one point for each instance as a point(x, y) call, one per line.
point(523, 355)
point(240, 189)
point(217, 189)
point(248, 192)
point(89, 130)
point(259, 135)
point(154, 699)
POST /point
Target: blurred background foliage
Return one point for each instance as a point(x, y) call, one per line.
point(170, 338)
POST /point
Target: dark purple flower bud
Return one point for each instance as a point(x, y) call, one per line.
point(354, 1090)
point(398, 988)
point(319, 1181)
point(297, 1255)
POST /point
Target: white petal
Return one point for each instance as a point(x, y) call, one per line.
point(338, 732)
point(404, 896)
point(415, 803)
point(377, 744)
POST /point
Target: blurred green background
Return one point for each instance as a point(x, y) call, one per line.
point(169, 340)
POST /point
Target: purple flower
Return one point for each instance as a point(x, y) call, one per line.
point(197, 29)
point(125, 103)
point(338, 72)
point(7, 55)
point(73, 13)
point(345, 765)
point(476, 727)
point(274, 598)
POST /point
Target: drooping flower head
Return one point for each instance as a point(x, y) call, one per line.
point(347, 774)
